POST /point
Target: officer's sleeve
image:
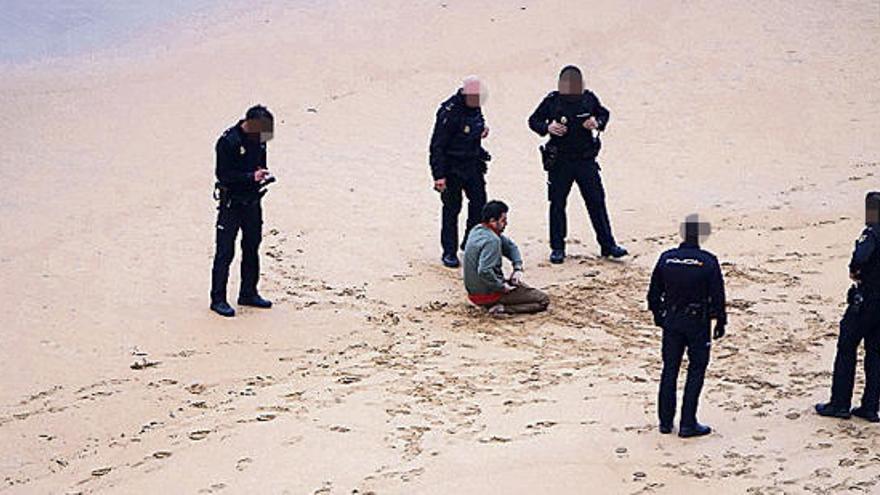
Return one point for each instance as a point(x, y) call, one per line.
point(489, 257)
point(601, 113)
point(657, 288)
point(225, 170)
point(717, 303)
point(443, 130)
point(540, 118)
point(865, 247)
point(511, 252)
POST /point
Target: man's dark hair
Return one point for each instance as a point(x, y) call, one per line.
point(259, 112)
point(570, 68)
point(493, 210)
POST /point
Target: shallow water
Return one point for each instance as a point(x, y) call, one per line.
point(33, 31)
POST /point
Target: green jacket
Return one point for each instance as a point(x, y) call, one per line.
point(482, 260)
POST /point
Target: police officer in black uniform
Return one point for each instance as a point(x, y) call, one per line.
point(574, 118)
point(241, 177)
point(861, 321)
point(686, 292)
point(458, 163)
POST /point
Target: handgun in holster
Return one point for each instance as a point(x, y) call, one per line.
point(855, 298)
point(549, 156)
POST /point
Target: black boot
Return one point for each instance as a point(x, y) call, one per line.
point(697, 430)
point(557, 256)
point(665, 429)
point(614, 251)
point(223, 308)
point(255, 301)
point(867, 415)
point(831, 411)
point(450, 261)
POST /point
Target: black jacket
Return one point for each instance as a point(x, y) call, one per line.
point(238, 157)
point(456, 143)
point(572, 114)
point(687, 275)
point(865, 262)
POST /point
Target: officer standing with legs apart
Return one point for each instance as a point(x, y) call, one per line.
point(686, 293)
point(574, 118)
point(458, 163)
point(861, 321)
point(241, 177)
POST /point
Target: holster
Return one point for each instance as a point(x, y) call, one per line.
point(549, 156)
point(855, 299)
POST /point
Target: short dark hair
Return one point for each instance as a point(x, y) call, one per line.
point(570, 68)
point(259, 112)
point(872, 200)
point(493, 210)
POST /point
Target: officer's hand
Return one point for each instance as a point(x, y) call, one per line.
point(485, 133)
point(591, 123)
point(516, 278)
point(508, 288)
point(261, 174)
point(855, 276)
point(440, 185)
point(557, 129)
point(719, 330)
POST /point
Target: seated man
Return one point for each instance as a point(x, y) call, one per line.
point(483, 277)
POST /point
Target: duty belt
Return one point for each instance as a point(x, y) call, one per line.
point(690, 309)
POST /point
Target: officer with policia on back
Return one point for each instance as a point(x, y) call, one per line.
point(686, 293)
point(242, 175)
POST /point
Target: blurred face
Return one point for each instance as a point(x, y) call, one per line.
point(571, 84)
point(262, 129)
point(695, 231)
point(872, 214)
point(474, 92)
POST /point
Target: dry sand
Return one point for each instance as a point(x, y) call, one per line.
point(372, 374)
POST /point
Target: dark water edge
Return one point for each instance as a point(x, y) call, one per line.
point(53, 29)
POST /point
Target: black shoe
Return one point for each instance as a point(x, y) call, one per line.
point(223, 308)
point(831, 411)
point(665, 429)
point(557, 256)
point(868, 416)
point(697, 430)
point(450, 261)
point(614, 251)
point(255, 301)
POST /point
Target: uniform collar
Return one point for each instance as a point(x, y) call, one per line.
point(691, 245)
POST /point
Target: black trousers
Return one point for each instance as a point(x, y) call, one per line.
point(585, 172)
point(857, 325)
point(474, 186)
point(682, 332)
point(248, 218)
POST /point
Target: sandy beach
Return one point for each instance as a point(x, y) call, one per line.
point(372, 373)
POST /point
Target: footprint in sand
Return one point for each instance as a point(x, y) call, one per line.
point(199, 435)
point(243, 463)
